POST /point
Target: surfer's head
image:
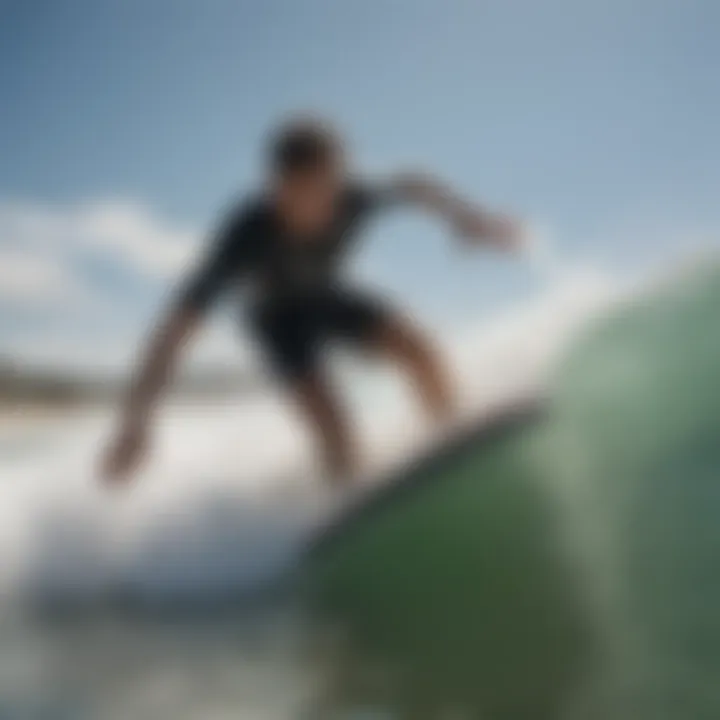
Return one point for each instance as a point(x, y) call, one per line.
point(306, 165)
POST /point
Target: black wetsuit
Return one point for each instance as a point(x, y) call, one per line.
point(300, 299)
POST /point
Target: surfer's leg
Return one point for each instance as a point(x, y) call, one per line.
point(321, 408)
point(292, 337)
point(366, 319)
point(398, 340)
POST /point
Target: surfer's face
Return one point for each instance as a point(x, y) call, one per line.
point(307, 198)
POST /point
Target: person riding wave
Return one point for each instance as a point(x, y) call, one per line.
point(287, 246)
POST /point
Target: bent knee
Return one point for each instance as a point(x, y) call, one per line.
point(404, 342)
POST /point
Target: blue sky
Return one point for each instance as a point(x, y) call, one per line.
point(128, 125)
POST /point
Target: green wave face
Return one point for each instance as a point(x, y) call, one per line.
point(571, 568)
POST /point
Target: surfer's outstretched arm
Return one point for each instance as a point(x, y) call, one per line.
point(470, 220)
point(159, 361)
point(161, 355)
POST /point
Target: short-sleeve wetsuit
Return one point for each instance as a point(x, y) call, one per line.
point(300, 299)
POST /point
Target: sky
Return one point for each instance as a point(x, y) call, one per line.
point(127, 127)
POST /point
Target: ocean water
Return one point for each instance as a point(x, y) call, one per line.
point(567, 568)
point(179, 598)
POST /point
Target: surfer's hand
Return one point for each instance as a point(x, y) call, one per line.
point(124, 454)
point(503, 231)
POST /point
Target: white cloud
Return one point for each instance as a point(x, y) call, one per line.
point(44, 249)
point(123, 230)
point(27, 278)
point(132, 234)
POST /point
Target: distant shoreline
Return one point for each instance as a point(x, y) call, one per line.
point(48, 391)
point(21, 416)
point(29, 416)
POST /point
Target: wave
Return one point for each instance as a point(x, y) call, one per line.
point(227, 503)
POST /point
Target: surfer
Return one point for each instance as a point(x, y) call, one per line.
point(286, 246)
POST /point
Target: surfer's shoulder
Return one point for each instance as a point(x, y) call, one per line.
point(250, 210)
point(246, 218)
